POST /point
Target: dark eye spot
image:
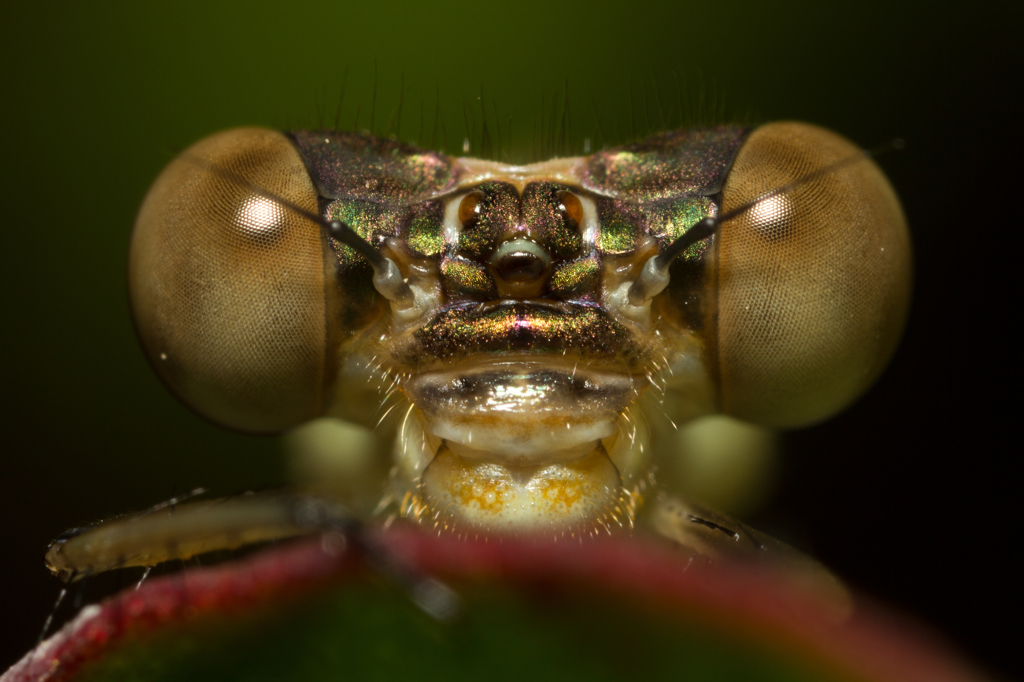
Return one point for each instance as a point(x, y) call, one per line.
point(469, 210)
point(571, 208)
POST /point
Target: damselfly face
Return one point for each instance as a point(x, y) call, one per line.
point(527, 322)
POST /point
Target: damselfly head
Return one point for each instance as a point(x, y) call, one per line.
point(276, 278)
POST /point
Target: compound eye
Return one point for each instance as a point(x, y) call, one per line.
point(813, 284)
point(469, 209)
point(572, 208)
point(227, 286)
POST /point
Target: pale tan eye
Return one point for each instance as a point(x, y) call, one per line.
point(572, 208)
point(227, 286)
point(813, 284)
point(469, 210)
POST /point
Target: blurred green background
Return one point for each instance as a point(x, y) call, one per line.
point(906, 495)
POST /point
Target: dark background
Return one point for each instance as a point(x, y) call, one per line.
point(906, 495)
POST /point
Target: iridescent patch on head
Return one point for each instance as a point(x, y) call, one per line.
point(360, 166)
point(418, 226)
point(380, 188)
point(675, 164)
point(469, 331)
point(423, 228)
point(501, 214)
point(497, 214)
point(465, 279)
point(579, 278)
point(624, 223)
point(544, 222)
